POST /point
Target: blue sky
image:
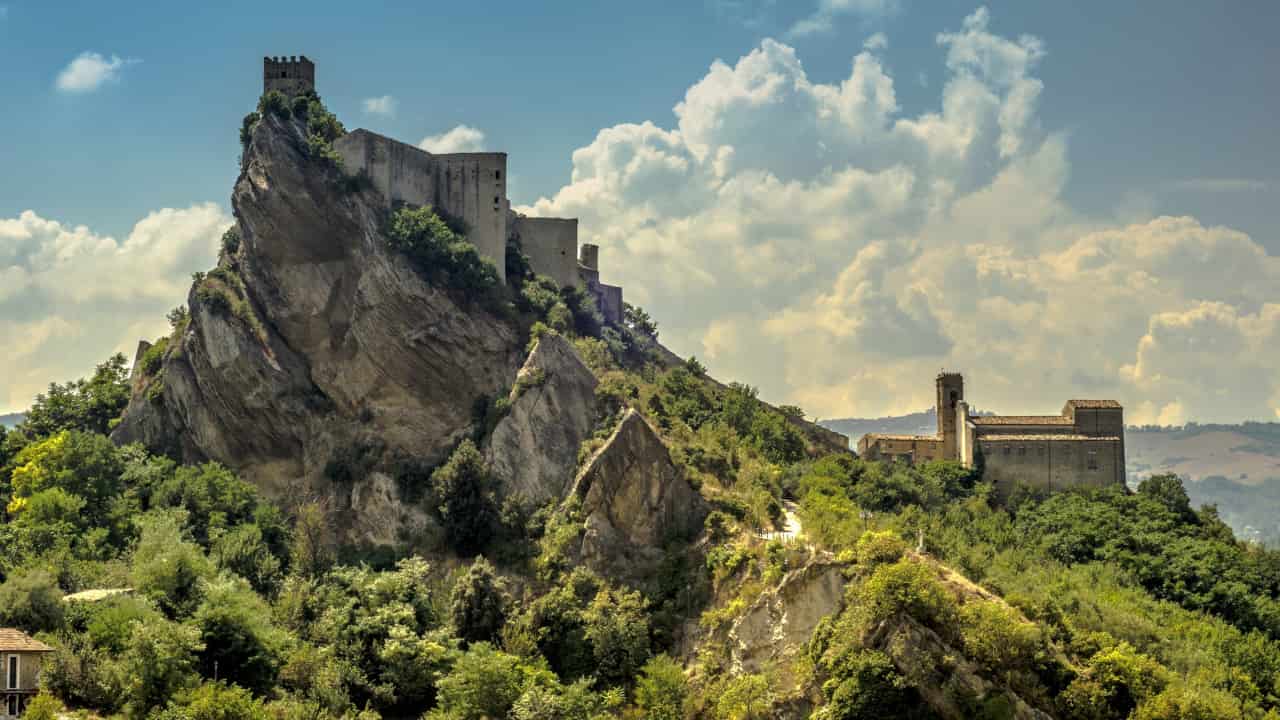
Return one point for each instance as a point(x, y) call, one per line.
point(1157, 109)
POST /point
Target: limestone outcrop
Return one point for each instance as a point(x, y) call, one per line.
point(634, 500)
point(533, 451)
point(313, 347)
point(780, 622)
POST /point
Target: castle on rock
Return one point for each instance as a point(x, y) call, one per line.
point(471, 187)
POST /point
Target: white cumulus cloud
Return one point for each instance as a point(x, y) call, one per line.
point(89, 71)
point(462, 138)
point(384, 105)
point(69, 296)
point(814, 240)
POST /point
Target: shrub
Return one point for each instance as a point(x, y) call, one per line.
point(31, 601)
point(152, 358)
point(477, 605)
point(231, 240)
point(661, 689)
point(438, 253)
point(995, 636)
point(907, 587)
point(617, 626)
point(273, 103)
point(880, 547)
point(43, 707)
point(464, 489)
point(247, 125)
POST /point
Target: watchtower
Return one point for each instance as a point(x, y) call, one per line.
point(950, 394)
point(292, 75)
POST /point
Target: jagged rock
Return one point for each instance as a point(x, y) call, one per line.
point(533, 451)
point(331, 342)
point(634, 500)
point(781, 621)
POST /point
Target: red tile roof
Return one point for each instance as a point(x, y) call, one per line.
point(1020, 420)
point(1094, 404)
point(1029, 437)
point(17, 641)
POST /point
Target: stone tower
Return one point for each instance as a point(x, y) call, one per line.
point(291, 75)
point(950, 394)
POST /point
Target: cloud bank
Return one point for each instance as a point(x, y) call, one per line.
point(384, 105)
point(814, 240)
point(70, 297)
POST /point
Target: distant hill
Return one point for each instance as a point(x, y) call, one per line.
point(1236, 467)
point(12, 419)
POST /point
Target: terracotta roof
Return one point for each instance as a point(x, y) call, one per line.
point(1093, 404)
point(1020, 420)
point(17, 641)
point(1029, 437)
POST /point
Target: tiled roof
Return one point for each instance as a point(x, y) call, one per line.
point(920, 438)
point(1020, 420)
point(1029, 437)
point(17, 641)
point(1094, 404)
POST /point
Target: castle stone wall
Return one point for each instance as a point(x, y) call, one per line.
point(551, 244)
point(1052, 462)
point(468, 186)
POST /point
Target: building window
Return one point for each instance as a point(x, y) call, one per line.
point(13, 705)
point(1007, 449)
point(1022, 452)
point(1093, 460)
point(497, 174)
point(495, 200)
point(284, 73)
point(12, 674)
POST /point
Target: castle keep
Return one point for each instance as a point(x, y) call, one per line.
point(1081, 446)
point(471, 187)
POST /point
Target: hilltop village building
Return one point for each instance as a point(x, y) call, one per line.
point(471, 187)
point(20, 660)
point(1081, 446)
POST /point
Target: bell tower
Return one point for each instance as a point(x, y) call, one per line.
point(292, 75)
point(950, 394)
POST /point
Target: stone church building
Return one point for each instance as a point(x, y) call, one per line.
point(1081, 446)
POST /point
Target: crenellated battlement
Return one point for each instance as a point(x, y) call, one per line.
point(291, 74)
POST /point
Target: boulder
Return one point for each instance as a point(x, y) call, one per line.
point(781, 621)
point(634, 501)
point(533, 451)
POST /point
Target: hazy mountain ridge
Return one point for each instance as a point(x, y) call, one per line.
point(12, 419)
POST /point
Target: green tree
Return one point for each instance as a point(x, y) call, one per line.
point(312, 548)
point(661, 689)
point(745, 697)
point(32, 601)
point(485, 683)
point(465, 490)
point(43, 707)
point(214, 701)
point(477, 605)
point(81, 464)
point(240, 644)
point(168, 568)
point(617, 626)
point(160, 661)
point(87, 405)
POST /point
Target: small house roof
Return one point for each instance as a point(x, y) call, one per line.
point(12, 640)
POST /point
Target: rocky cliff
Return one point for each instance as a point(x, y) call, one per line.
point(314, 356)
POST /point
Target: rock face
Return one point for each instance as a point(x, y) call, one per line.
point(324, 346)
point(783, 618)
point(634, 500)
point(533, 451)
